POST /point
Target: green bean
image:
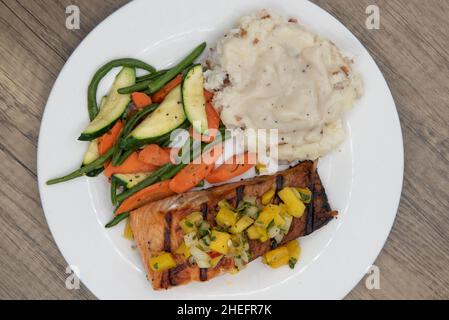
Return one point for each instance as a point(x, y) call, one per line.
point(170, 74)
point(124, 155)
point(117, 219)
point(139, 86)
point(117, 157)
point(83, 170)
point(148, 181)
point(173, 171)
point(151, 76)
point(129, 126)
point(142, 85)
point(95, 172)
point(92, 106)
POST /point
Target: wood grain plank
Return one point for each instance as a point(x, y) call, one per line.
point(411, 49)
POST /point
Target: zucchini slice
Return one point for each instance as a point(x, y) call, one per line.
point(113, 108)
point(129, 180)
point(92, 153)
point(167, 117)
point(193, 98)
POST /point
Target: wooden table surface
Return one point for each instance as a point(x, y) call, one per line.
point(411, 48)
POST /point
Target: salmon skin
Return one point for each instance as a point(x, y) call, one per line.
point(156, 225)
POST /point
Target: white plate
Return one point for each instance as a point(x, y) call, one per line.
point(363, 178)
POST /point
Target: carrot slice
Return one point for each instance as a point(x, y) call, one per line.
point(161, 94)
point(193, 173)
point(131, 165)
point(157, 191)
point(208, 95)
point(190, 176)
point(213, 122)
point(155, 155)
point(140, 99)
point(108, 140)
point(230, 170)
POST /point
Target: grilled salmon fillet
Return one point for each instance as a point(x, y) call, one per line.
point(156, 225)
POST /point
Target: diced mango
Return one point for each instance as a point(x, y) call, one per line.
point(294, 250)
point(278, 220)
point(187, 226)
point(277, 257)
point(263, 234)
point(189, 223)
point(183, 249)
point(260, 167)
point(219, 241)
point(253, 233)
point(195, 217)
point(267, 215)
point(243, 223)
point(226, 217)
point(268, 196)
point(295, 207)
point(224, 204)
point(162, 262)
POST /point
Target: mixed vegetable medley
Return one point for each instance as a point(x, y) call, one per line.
point(131, 129)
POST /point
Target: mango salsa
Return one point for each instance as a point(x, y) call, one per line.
point(187, 226)
point(305, 194)
point(162, 262)
point(267, 215)
point(294, 250)
point(219, 241)
point(195, 217)
point(277, 257)
point(278, 220)
point(263, 234)
point(260, 167)
point(253, 233)
point(224, 204)
point(183, 249)
point(243, 223)
point(189, 223)
point(226, 217)
point(295, 207)
point(268, 196)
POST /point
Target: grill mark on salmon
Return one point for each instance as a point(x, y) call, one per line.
point(173, 273)
point(310, 211)
point(239, 195)
point(203, 274)
point(167, 232)
point(151, 222)
point(279, 186)
point(204, 210)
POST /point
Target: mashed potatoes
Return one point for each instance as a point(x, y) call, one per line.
point(270, 73)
